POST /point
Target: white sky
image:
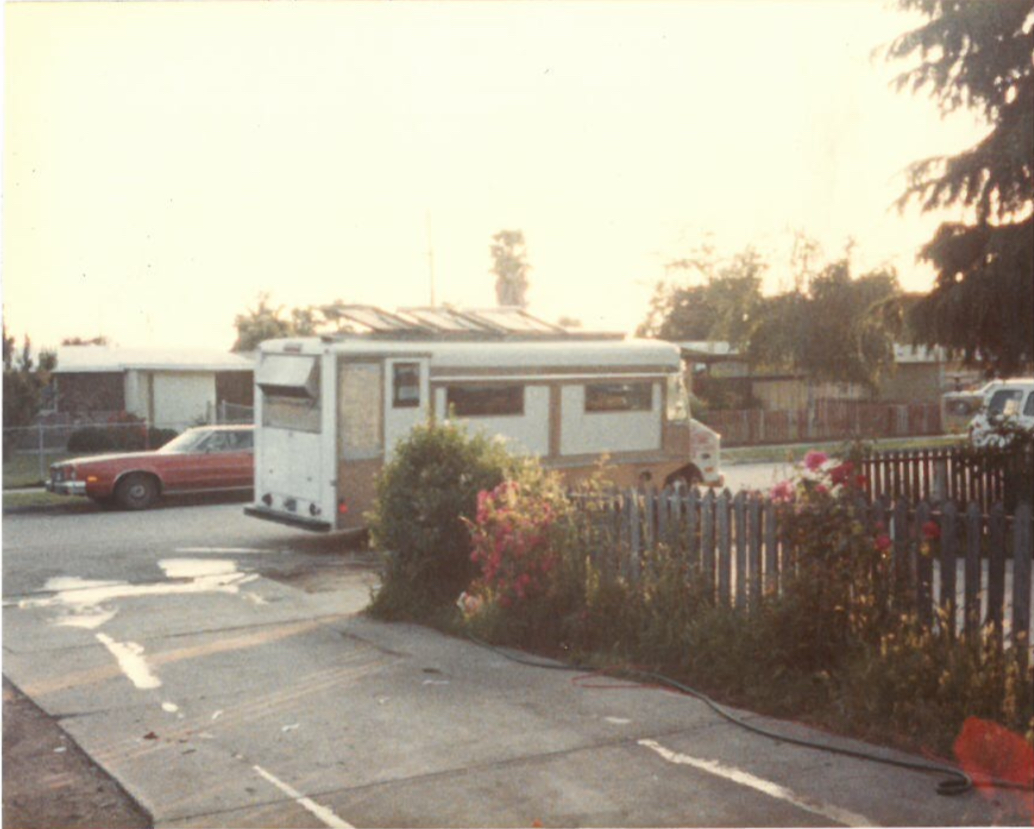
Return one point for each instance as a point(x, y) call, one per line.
point(166, 162)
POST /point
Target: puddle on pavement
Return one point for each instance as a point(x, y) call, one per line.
point(86, 603)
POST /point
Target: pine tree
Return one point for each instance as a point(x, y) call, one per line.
point(977, 56)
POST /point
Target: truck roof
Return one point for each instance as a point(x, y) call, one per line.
point(570, 354)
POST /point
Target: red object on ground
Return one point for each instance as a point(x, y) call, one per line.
point(987, 749)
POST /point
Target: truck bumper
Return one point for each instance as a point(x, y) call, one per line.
point(266, 514)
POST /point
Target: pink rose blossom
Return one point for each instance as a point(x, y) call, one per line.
point(814, 460)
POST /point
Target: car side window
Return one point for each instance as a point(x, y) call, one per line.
point(1028, 409)
point(216, 443)
point(241, 441)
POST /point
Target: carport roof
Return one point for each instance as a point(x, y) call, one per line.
point(91, 358)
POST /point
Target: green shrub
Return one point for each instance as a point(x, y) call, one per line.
point(118, 438)
point(423, 496)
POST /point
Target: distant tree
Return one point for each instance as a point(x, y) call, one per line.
point(840, 329)
point(510, 266)
point(100, 339)
point(721, 307)
point(24, 382)
point(977, 56)
point(829, 326)
point(265, 322)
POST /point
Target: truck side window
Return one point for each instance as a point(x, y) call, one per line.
point(485, 401)
point(405, 386)
point(619, 397)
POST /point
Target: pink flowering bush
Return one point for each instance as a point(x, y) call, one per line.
point(839, 597)
point(530, 573)
point(511, 544)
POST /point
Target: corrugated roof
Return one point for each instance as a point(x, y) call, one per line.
point(98, 358)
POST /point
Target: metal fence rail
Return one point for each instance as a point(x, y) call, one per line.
point(37, 446)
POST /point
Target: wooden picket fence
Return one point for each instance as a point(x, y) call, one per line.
point(951, 474)
point(978, 574)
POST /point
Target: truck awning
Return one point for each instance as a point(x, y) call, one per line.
point(289, 376)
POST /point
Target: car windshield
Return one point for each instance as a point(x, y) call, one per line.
point(1005, 402)
point(189, 441)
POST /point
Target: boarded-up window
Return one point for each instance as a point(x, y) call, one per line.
point(360, 422)
point(485, 401)
point(619, 397)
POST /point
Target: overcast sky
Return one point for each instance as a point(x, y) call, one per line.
point(166, 162)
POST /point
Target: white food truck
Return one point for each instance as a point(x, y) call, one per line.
point(329, 410)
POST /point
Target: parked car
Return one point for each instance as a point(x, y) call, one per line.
point(1007, 409)
point(202, 459)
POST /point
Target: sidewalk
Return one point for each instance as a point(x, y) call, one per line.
point(48, 781)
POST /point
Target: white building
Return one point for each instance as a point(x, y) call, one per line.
point(168, 388)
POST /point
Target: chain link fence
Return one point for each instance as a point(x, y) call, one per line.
point(28, 451)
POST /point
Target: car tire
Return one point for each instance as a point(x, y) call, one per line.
point(136, 491)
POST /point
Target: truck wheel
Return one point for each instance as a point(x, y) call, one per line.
point(136, 491)
point(686, 478)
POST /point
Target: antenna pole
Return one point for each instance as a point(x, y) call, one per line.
point(430, 256)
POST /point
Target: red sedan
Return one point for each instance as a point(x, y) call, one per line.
point(203, 459)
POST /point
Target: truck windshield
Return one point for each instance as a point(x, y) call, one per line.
point(677, 408)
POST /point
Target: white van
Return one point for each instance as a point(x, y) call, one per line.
point(1005, 402)
point(330, 410)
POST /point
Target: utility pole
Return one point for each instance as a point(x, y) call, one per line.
point(430, 256)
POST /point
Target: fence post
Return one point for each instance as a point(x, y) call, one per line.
point(1021, 554)
point(724, 547)
point(924, 570)
point(948, 563)
point(940, 480)
point(707, 534)
point(996, 571)
point(771, 549)
point(632, 511)
point(974, 520)
point(904, 563)
point(693, 507)
point(663, 505)
point(754, 562)
point(739, 506)
point(42, 456)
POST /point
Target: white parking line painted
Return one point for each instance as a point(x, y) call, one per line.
point(826, 810)
point(131, 660)
point(221, 550)
point(322, 812)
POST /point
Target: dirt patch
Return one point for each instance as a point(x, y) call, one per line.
point(48, 781)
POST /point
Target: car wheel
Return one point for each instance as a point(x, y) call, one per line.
point(136, 491)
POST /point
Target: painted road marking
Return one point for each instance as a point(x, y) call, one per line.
point(131, 660)
point(322, 812)
point(221, 550)
point(743, 778)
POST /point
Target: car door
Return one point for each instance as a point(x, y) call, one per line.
point(225, 460)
